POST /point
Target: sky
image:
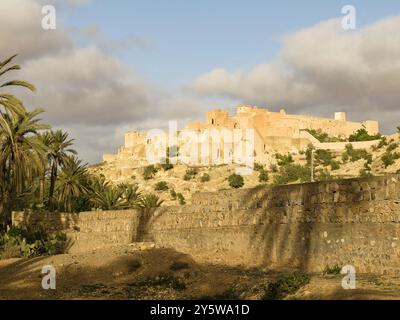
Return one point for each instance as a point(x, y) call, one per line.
point(116, 66)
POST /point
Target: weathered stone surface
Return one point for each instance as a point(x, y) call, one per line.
point(306, 226)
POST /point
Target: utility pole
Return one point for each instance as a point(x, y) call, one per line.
point(312, 164)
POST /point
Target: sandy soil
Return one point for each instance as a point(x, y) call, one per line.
point(126, 273)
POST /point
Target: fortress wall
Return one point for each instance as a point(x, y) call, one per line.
point(307, 226)
point(330, 126)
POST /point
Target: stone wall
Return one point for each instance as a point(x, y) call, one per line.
point(308, 226)
point(86, 230)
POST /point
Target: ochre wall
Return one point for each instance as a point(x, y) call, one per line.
point(308, 226)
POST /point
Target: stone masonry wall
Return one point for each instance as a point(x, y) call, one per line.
point(308, 226)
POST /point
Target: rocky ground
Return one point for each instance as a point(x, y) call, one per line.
point(128, 273)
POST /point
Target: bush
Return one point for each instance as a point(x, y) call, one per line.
point(284, 160)
point(236, 181)
point(149, 172)
point(323, 157)
point(258, 166)
point(392, 147)
point(263, 176)
point(23, 242)
point(273, 168)
point(323, 175)
point(335, 165)
point(293, 173)
point(161, 186)
point(287, 285)
point(205, 177)
point(382, 143)
point(190, 174)
point(181, 199)
point(363, 135)
point(389, 158)
point(323, 136)
point(355, 154)
point(173, 194)
point(149, 201)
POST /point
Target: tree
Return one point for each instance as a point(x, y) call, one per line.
point(13, 112)
point(109, 199)
point(9, 102)
point(150, 201)
point(21, 153)
point(72, 183)
point(58, 151)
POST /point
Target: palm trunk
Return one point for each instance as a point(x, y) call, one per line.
point(53, 177)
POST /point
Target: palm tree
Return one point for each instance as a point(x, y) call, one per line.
point(12, 113)
point(46, 140)
point(109, 199)
point(58, 152)
point(21, 153)
point(72, 182)
point(130, 194)
point(150, 201)
point(9, 102)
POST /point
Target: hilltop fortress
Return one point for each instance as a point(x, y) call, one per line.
point(271, 132)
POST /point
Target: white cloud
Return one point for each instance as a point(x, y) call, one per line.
point(322, 69)
point(86, 91)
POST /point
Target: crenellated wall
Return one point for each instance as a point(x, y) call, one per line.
point(308, 226)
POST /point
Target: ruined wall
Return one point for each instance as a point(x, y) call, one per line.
point(308, 226)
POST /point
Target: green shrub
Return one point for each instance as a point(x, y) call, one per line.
point(284, 160)
point(149, 172)
point(190, 174)
point(161, 186)
point(173, 194)
point(323, 136)
point(181, 199)
point(335, 165)
point(205, 177)
point(363, 135)
point(258, 166)
point(285, 286)
point(332, 270)
point(323, 175)
point(149, 201)
point(323, 157)
point(293, 173)
point(23, 242)
point(273, 168)
point(389, 158)
point(236, 181)
point(263, 176)
point(382, 143)
point(355, 154)
point(392, 147)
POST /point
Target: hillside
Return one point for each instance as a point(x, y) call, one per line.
point(289, 168)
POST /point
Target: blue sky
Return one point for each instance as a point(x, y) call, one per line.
point(189, 38)
point(117, 66)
